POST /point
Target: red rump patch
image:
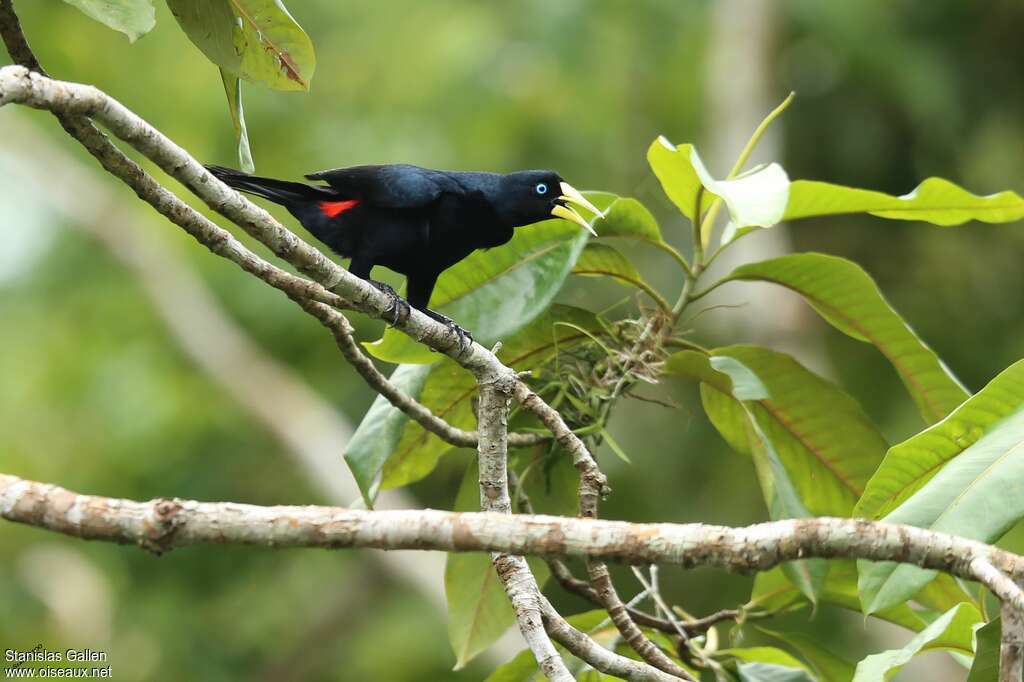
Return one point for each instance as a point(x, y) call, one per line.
point(332, 209)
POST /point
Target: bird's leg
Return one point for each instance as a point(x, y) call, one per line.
point(400, 308)
point(421, 286)
point(361, 266)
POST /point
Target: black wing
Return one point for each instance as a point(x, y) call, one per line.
point(392, 186)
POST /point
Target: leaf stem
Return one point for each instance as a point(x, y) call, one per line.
point(709, 220)
point(707, 290)
point(678, 257)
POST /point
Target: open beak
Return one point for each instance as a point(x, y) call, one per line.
point(571, 195)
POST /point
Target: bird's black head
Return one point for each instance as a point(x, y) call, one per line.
point(528, 197)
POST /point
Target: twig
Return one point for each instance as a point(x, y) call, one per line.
point(653, 589)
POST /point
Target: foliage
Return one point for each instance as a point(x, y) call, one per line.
point(816, 449)
point(253, 40)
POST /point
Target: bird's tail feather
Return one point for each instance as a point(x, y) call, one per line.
point(278, 191)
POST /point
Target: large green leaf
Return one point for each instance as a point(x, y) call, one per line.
point(479, 611)
point(827, 666)
point(257, 40)
point(849, 299)
point(948, 632)
point(812, 444)
point(380, 430)
point(133, 18)
point(495, 292)
point(986, 653)
point(449, 390)
point(757, 198)
point(774, 592)
point(233, 90)
point(601, 260)
point(935, 201)
point(956, 476)
point(826, 442)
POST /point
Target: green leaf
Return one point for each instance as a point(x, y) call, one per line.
point(257, 40)
point(774, 592)
point(767, 664)
point(848, 298)
point(824, 439)
point(934, 201)
point(449, 390)
point(625, 218)
point(827, 666)
point(496, 292)
point(479, 611)
point(379, 432)
point(953, 477)
point(134, 18)
point(601, 260)
point(233, 90)
point(948, 631)
point(812, 445)
point(986, 653)
point(756, 198)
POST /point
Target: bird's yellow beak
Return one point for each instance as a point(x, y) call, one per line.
point(572, 195)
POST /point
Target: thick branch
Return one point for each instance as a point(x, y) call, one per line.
point(165, 524)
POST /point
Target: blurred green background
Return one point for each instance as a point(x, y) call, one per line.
point(98, 396)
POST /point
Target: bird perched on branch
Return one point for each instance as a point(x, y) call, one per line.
point(415, 221)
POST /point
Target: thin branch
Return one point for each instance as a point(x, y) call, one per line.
point(564, 575)
point(1011, 645)
point(1000, 584)
point(342, 331)
point(594, 486)
point(585, 648)
point(593, 483)
point(609, 598)
point(513, 571)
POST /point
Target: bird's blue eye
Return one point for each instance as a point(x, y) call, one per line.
point(541, 188)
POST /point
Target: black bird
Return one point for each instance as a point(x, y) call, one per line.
point(415, 221)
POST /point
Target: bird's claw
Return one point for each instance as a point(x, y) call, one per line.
point(399, 307)
point(465, 337)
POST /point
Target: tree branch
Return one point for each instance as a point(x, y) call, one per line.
point(513, 571)
point(165, 524)
point(342, 331)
